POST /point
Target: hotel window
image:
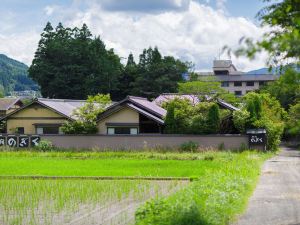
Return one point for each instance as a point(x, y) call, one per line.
point(238, 93)
point(237, 83)
point(225, 84)
point(122, 130)
point(262, 83)
point(250, 83)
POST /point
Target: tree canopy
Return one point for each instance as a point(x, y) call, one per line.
point(153, 75)
point(71, 63)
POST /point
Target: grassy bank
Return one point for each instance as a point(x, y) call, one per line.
point(215, 199)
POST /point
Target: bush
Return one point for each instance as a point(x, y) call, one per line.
point(240, 119)
point(267, 113)
point(45, 145)
point(189, 146)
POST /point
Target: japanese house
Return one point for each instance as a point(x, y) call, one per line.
point(133, 115)
point(42, 116)
point(8, 105)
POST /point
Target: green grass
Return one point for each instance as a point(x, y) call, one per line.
point(225, 182)
point(34, 201)
point(110, 164)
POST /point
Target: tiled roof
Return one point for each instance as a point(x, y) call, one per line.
point(63, 106)
point(150, 106)
point(193, 99)
point(227, 105)
point(7, 103)
point(171, 96)
point(145, 113)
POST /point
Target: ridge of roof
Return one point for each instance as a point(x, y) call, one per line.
point(60, 100)
point(136, 97)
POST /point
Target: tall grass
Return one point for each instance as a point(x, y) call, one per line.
point(214, 199)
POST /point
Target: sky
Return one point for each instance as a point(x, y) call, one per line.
point(191, 30)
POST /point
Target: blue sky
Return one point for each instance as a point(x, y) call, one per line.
point(193, 30)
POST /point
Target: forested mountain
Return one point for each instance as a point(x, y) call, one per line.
point(14, 76)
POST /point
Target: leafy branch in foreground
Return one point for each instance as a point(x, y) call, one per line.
point(282, 41)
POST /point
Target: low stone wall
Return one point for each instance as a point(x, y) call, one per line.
point(145, 141)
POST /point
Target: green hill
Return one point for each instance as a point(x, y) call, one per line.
point(14, 76)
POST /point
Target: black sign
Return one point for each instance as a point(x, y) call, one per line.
point(34, 141)
point(257, 139)
point(23, 141)
point(12, 141)
point(2, 140)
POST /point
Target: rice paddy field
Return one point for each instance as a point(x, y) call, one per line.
point(219, 187)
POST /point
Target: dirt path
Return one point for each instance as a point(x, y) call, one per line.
point(276, 200)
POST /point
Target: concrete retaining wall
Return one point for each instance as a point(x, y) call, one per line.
point(144, 141)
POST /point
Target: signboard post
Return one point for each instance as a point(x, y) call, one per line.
point(2, 140)
point(12, 141)
point(19, 141)
point(23, 142)
point(257, 139)
point(34, 141)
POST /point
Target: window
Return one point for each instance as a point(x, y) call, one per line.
point(250, 83)
point(122, 130)
point(262, 83)
point(237, 83)
point(221, 72)
point(238, 93)
point(48, 130)
point(225, 84)
point(20, 130)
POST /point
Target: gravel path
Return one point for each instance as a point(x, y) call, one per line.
point(276, 200)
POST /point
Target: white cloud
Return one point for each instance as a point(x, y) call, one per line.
point(20, 46)
point(49, 10)
point(221, 5)
point(196, 34)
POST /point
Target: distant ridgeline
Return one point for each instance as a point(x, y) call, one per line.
point(14, 76)
point(274, 70)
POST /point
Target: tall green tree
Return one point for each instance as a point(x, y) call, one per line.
point(213, 120)
point(286, 89)
point(157, 74)
point(127, 79)
point(70, 63)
